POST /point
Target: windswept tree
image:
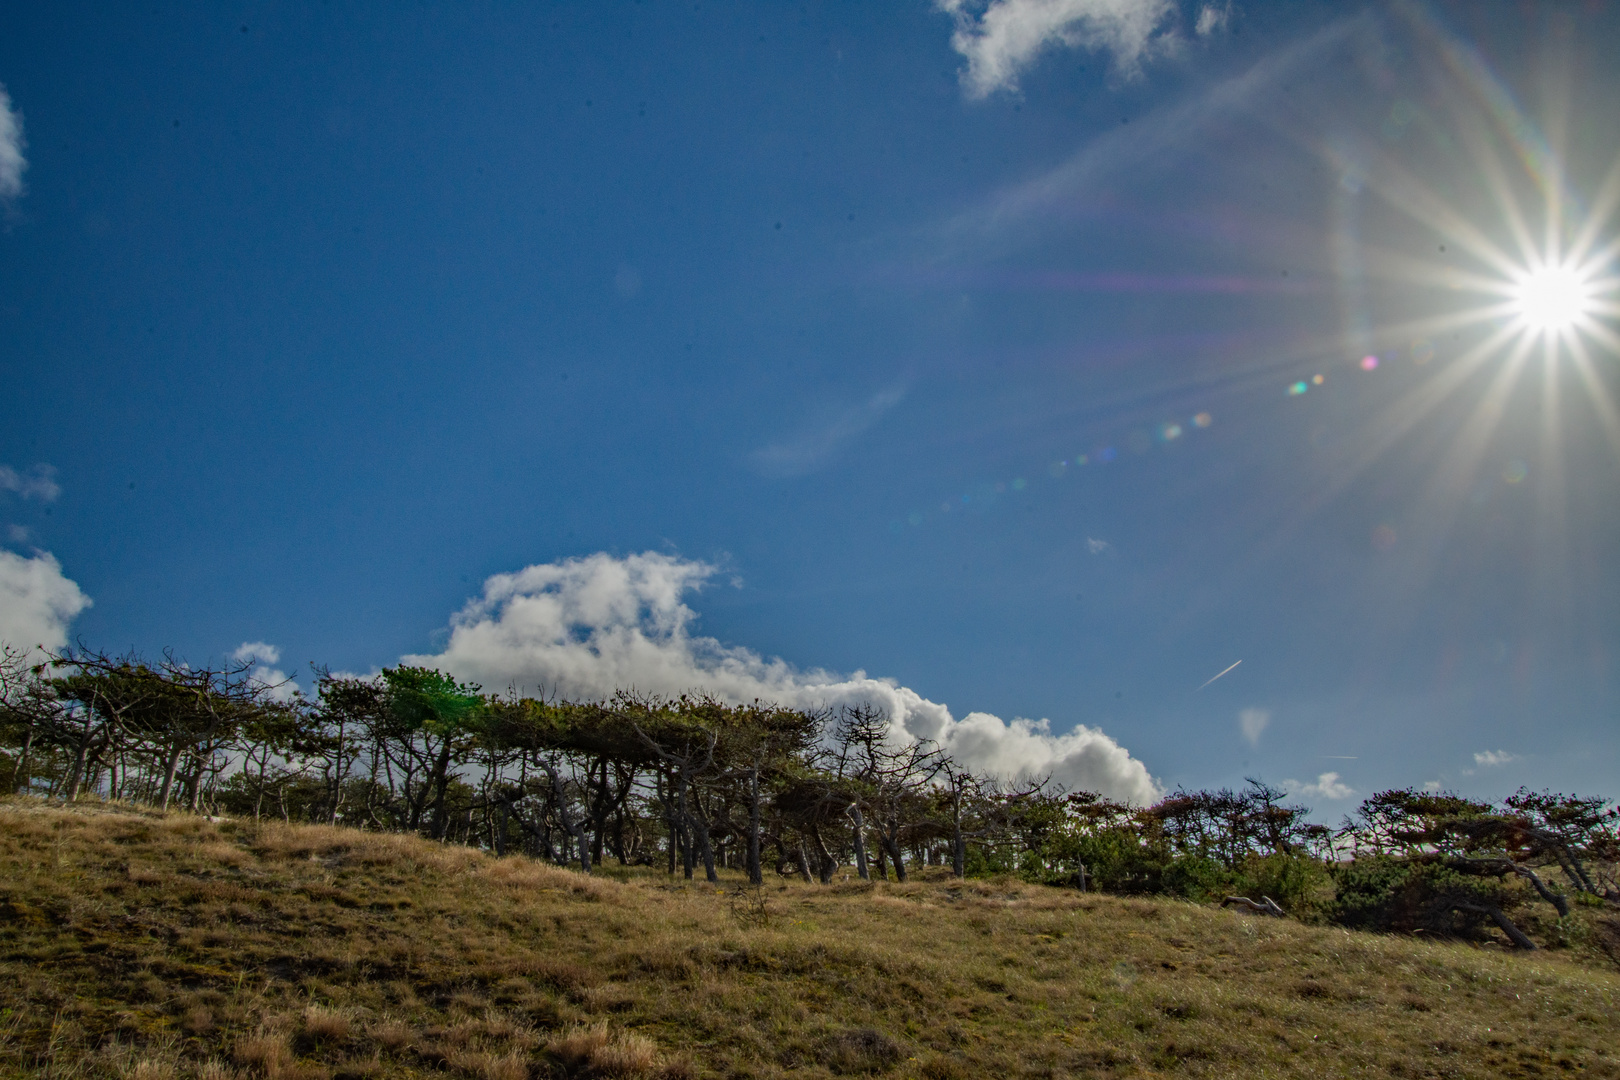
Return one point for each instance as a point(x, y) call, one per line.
point(431, 722)
point(1447, 855)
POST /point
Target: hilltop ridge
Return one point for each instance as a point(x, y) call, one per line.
point(138, 943)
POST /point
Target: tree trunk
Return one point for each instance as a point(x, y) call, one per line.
point(804, 861)
point(76, 776)
point(700, 834)
point(440, 781)
point(825, 856)
point(958, 842)
point(1499, 917)
point(574, 829)
point(860, 842)
point(168, 776)
point(899, 861)
point(1557, 900)
point(20, 781)
point(756, 875)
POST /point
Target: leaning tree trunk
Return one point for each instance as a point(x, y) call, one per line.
point(705, 850)
point(76, 777)
point(1559, 902)
point(893, 844)
point(1499, 917)
point(804, 861)
point(168, 776)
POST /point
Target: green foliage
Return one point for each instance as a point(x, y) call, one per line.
point(425, 699)
point(1299, 882)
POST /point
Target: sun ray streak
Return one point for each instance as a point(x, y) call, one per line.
point(1597, 394)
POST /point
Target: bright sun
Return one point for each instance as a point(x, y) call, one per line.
point(1552, 299)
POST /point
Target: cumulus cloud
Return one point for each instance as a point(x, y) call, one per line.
point(1490, 759)
point(37, 483)
point(264, 656)
point(1327, 786)
point(37, 602)
point(1002, 39)
point(12, 143)
point(809, 449)
point(1097, 547)
point(1252, 722)
point(585, 627)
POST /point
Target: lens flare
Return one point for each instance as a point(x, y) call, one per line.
point(1552, 299)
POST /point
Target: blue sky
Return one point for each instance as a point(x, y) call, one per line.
point(965, 356)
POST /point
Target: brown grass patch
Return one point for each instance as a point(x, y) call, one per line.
point(234, 950)
point(595, 1050)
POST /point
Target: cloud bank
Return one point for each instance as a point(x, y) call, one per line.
point(585, 627)
point(12, 162)
point(37, 602)
point(1002, 39)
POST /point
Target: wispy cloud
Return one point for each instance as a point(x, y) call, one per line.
point(812, 448)
point(1212, 19)
point(37, 483)
point(1001, 39)
point(1097, 547)
point(1252, 722)
point(585, 627)
point(12, 144)
point(1490, 759)
point(1158, 138)
point(1327, 786)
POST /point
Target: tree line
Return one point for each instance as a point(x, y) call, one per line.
point(696, 785)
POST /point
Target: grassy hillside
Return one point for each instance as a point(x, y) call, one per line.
point(138, 944)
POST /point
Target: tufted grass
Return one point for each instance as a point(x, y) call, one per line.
point(138, 944)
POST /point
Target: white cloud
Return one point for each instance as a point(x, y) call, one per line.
point(1212, 19)
point(264, 656)
point(1327, 786)
point(809, 449)
point(1097, 547)
point(37, 603)
point(12, 162)
point(1001, 40)
point(37, 483)
point(1431, 785)
point(260, 651)
point(1489, 759)
point(585, 627)
point(1252, 722)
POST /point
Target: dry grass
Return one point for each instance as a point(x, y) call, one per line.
point(139, 944)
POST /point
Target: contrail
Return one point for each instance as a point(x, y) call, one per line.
point(1217, 676)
